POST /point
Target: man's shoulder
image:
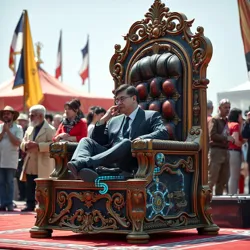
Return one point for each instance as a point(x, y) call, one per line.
point(215, 118)
point(150, 113)
point(116, 118)
point(46, 125)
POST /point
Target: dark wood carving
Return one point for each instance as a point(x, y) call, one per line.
point(169, 190)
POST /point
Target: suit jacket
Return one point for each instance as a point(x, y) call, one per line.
point(39, 163)
point(80, 130)
point(146, 125)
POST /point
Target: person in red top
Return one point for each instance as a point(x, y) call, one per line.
point(234, 125)
point(74, 127)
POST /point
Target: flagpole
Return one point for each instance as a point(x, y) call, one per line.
point(61, 57)
point(88, 67)
point(24, 41)
point(14, 70)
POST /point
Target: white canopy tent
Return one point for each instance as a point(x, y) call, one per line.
point(239, 96)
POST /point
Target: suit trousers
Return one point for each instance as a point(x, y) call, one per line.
point(91, 154)
point(218, 169)
point(30, 190)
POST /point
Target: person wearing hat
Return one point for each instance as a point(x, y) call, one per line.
point(23, 121)
point(11, 135)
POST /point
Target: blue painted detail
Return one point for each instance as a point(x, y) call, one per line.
point(160, 159)
point(103, 185)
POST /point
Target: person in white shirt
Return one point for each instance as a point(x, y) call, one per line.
point(11, 135)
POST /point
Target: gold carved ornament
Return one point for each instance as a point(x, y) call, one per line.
point(87, 220)
point(159, 22)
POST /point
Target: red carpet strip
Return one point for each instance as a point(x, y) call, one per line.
point(14, 234)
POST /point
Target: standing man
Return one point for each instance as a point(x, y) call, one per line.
point(35, 144)
point(111, 138)
point(218, 156)
point(11, 135)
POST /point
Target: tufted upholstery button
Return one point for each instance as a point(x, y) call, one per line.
point(143, 91)
point(155, 87)
point(168, 87)
point(168, 109)
point(171, 130)
point(155, 105)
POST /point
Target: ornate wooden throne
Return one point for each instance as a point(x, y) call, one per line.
point(167, 64)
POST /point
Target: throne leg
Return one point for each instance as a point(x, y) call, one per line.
point(209, 230)
point(206, 211)
point(36, 232)
point(137, 212)
point(138, 238)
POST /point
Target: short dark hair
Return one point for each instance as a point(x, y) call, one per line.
point(130, 90)
point(49, 116)
point(234, 115)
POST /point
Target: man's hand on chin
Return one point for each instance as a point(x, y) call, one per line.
point(111, 112)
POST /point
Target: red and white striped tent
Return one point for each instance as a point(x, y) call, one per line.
point(55, 94)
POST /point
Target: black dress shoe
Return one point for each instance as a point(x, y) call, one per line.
point(28, 209)
point(108, 171)
point(87, 175)
point(73, 169)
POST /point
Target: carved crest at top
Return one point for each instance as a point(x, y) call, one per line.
point(161, 25)
point(159, 22)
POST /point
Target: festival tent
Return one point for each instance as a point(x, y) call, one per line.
point(55, 94)
point(239, 96)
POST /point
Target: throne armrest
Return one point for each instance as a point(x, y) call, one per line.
point(145, 150)
point(192, 143)
point(62, 153)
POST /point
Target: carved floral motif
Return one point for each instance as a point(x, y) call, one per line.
point(81, 220)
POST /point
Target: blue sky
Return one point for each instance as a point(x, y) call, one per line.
point(106, 21)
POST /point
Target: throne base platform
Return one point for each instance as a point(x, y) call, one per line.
point(231, 211)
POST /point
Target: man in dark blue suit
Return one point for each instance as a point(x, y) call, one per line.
point(111, 139)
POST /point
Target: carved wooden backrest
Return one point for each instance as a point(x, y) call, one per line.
point(167, 64)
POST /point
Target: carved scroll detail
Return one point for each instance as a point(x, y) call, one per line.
point(88, 221)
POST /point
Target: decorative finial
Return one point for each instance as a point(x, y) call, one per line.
point(39, 46)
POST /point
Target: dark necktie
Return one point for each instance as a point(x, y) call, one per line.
point(125, 129)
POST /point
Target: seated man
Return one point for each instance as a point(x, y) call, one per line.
point(110, 142)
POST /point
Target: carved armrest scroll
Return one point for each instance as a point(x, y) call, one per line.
point(192, 143)
point(62, 153)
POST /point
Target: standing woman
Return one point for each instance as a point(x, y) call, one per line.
point(234, 125)
point(73, 127)
point(93, 117)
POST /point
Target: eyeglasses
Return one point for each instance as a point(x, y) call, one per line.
point(121, 99)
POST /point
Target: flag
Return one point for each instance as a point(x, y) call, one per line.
point(27, 73)
point(17, 43)
point(244, 14)
point(59, 58)
point(84, 71)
